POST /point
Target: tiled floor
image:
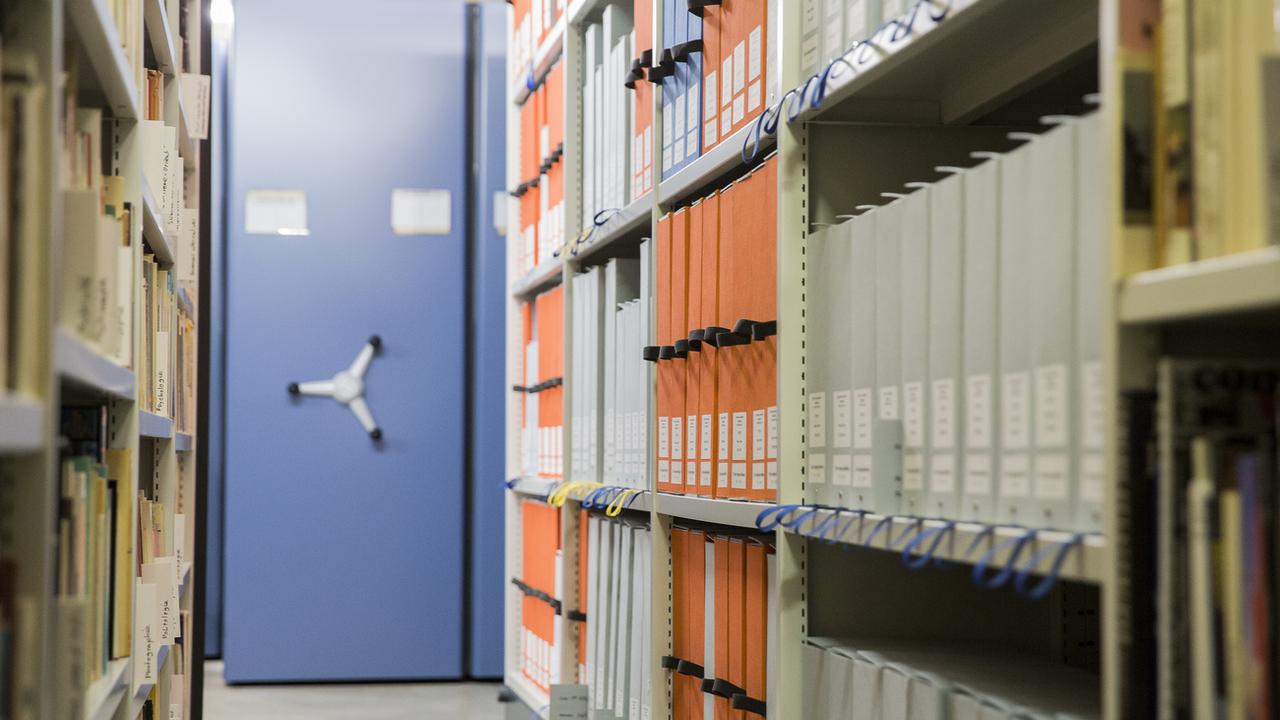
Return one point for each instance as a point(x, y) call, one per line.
point(388, 701)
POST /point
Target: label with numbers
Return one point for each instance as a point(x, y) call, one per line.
point(977, 474)
point(1051, 405)
point(841, 412)
point(1015, 476)
point(889, 402)
point(757, 475)
point(1092, 408)
point(771, 475)
point(842, 469)
point(817, 420)
point(664, 432)
point(862, 414)
point(1092, 478)
point(677, 438)
point(706, 436)
point(977, 406)
point(740, 436)
point(942, 473)
point(913, 414)
point(757, 435)
point(943, 410)
point(691, 435)
point(1051, 476)
point(862, 470)
point(912, 471)
point(818, 468)
point(724, 438)
point(1015, 410)
point(771, 446)
point(738, 476)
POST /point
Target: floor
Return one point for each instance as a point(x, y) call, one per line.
point(390, 701)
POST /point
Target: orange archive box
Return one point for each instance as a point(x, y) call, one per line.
point(712, 475)
point(679, 342)
point(642, 135)
point(687, 664)
point(695, 482)
point(743, 58)
point(756, 631)
point(550, 314)
point(762, 307)
point(665, 379)
point(712, 21)
point(732, 349)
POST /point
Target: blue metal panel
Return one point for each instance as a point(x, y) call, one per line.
point(343, 556)
point(489, 316)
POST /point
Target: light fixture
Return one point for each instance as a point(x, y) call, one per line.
point(222, 13)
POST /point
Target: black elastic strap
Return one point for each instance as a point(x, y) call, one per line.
point(725, 689)
point(696, 334)
point(692, 669)
point(743, 327)
point(670, 662)
point(650, 353)
point(682, 348)
point(711, 335)
point(763, 330)
point(707, 685)
point(732, 339)
point(685, 49)
point(520, 388)
point(575, 615)
point(742, 702)
point(697, 6)
point(666, 352)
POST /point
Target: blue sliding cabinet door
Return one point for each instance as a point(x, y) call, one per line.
point(343, 555)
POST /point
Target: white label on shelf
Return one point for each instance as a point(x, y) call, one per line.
point(664, 433)
point(842, 469)
point(817, 420)
point(943, 409)
point(818, 468)
point(889, 402)
point(1092, 407)
point(772, 424)
point(862, 414)
point(757, 475)
point(739, 476)
point(912, 471)
point(977, 474)
point(723, 438)
point(1015, 480)
point(913, 414)
point(977, 404)
point(677, 438)
point(862, 470)
point(740, 436)
point(841, 430)
point(1051, 405)
point(1015, 410)
point(942, 473)
point(275, 212)
point(691, 474)
point(706, 437)
point(757, 435)
point(1051, 476)
point(1092, 478)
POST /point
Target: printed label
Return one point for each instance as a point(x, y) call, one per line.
point(709, 131)
point(706, 436)
point(664, 472)
point(1015, 407)
point(771, 475)
point(912, 471)
point(818, 420)
point(739, 476)
point(678, 122)
point(740, 436)
point(977, 405)
point(818, 468)
point(722, 476)
point(648, 150)
point(753, 96)
point(757, 476)
point(942, 473)
point(739, 67)
point(1093, 478)
point(944, 414)
point(1092, 409)
point(691, 439)
point(726, 81)
point(862, 471)
point(739, 108)
point(704, 473)
point(913, 414)
point(709, 87)
point(692, 122)
point(1051, 476)
point(668, 119)
point(772, 437)
point(841, 409)
point(862, 414)
point(1015, 480)
point(842, 469)
point(757, 435)
point(754, 53)
point(1051, 405)
point(977, 475)
point(677, 438)
point(723, 437)
point(889, 402)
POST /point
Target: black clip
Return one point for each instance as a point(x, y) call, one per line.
point(725, 689)
point(520, 190)
point(697, 6)
point(692, 669)
point(635, 74)
point(667, 352)
point(695, 340)
point(740, 335)
point(670, 663)
point(711, 335)
point(685, 49)
point(520, 388)
point(650, 353)
point(708, 685)
point(682, 349)
point(575, 615)
point(741, 701)
point(664, 69)
point(646, 59)
point(763, 330)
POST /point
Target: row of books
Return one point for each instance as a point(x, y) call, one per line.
point(1202, 466)
point(954, 353)
point(127, 16)
point(1211, 121)
point(542, 409)
point(531, 23)
point(716, 344)
point(723, 625)
point(832, 27)
point(618, 633)
point(539, 581)
point(609, 150)
point(184, 368)
point(542, 170)
point(887, 679)
point(21, 166)
point(608, 431)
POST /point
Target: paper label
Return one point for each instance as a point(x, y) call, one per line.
point(818, 420)
point(757, 476)
point(691, 441)
point(677, 438)
point(722, 475)
point(818, 468)
point(692, 122)
point(944, 417)
point(912, 471)
point(668, 125)
point(723, 437)
point(569, 702)
point(1092, 478)
point(862, 471)
point(664, 472)
point(842, 469)
point(739, 476)
point(663, 434)
point(706, 436)
point(977, 405)
point(678, 128)
point(704, 473)
point(1051, 476)
point(977, 475)
point(1015, 478)
point(889, 402)
point(275, 212)
point(740, 436)
point(726, 82)
point(739, 108)
point(1092, 408)
point(942, 473)
point(648, 151)
point(771, 475)
point(772, 443)
point(1051, 405)
point(739, 67)
point(753, 95)
point(841, 428)
point(757, 435)
point(862, 414)
point(709, 87)
point(913, 414)
point(1015, 407)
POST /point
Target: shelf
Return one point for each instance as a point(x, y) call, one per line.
point(182, 442)
point(538, 702)
point(580, 10)
point(624, 223)
point(104, 695)
point(186, 143)
point(715, 163)
point(161, 37)
point(1245, 282)
point(545, 54)
point(154, 426)
point(186, 580)
point(954, 70)
point(536, 487)
point(540, 278)
point(738, 513)
point(153, 226)
point(141, 692)
point(96, 29)
point(1085, 563)
point(21, 424)
point(85, 366)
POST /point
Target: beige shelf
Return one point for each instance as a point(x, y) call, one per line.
point(738, 513)
point(542, 277)
point(103, 697)
point(97, 32)
point(1228, 285)
point(81, 364)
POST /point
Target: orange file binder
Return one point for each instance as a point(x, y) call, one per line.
point(712, 20)
point(663, 370)
point(695, 629)
point(736, 614)
point(732, 386)
point(679, 620)
point(732, 57)
point(679, 341)
point(761, 188)
point(693, 362)
point(709, 427)
point(723, 576)
point(756, 624)
point(642, 139)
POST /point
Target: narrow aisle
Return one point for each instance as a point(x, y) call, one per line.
point(342, 701)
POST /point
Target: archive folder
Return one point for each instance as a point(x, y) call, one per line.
point(679, 360)
point(663, 351)
point(1091, 286)
point(886, 440)
point(946, 303)
point(712, 474)
point(761, 214)
point(695, 482)
point(980, 341)
point(1015, 410)
point(830, 429)
point(732, 359)
point(913, 294)
point(862, 259)
point(712, 16)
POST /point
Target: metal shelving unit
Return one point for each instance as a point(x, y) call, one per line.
point(80, 363)
point(104, 696)
point(153, 226)
point(151, 425)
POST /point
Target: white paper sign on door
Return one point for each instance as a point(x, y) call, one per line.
point(275, 212)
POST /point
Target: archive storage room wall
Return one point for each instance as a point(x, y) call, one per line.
point(1024, 219)
point(100, 248)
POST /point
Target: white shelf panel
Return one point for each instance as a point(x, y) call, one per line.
point(545, 54)
point(544, 276)
point(538, 702)
point(1086, 562)
point(1244, 282)
point(154, 426)
point(738, 513)
point(97, 32)
point(182, 442)
point(104, 695)
point(639, 214)
point(153, 226)
point(536, 487)
point(158, 32)
point(78, 362)
point(580, 10)
point(712, 164)
point(21, 424)
point(186, 143)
